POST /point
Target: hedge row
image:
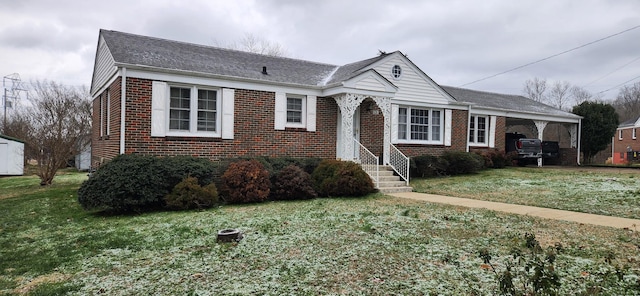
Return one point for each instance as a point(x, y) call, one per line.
point(137, 183)
point(457, 163)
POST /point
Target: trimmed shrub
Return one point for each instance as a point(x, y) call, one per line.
point(124, 184)
point(246, 181)
point(463, 162)
point(188, 194)
point(137, 183)
point(292, 183)
point(493, 158)
point(425, 166)
point(341, 178)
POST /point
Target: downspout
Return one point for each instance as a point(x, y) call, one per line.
point(123, 99)
point(579, 138)
point(468, 122)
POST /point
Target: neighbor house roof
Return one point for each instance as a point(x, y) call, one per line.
point(11, 138)
point(630, 123)
point(504, 102)
point(136, 50)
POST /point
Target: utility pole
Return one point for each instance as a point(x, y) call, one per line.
point(13, 93)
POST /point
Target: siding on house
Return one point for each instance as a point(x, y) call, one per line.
point(412, 85)
point(104, 66)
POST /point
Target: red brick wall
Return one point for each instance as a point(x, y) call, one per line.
point(107, 146)
point(458, 138)
point(372, 127)
point(254, 134)
point(620, 146)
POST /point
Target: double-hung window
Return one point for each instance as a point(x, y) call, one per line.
point(633, 133)
point(194, 111)
point(295, 111)
point(478, 130)
point(419, 125)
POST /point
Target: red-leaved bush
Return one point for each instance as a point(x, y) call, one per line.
point(245, 181)
point(293, 183)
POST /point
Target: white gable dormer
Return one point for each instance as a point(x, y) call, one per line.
point(413, 84)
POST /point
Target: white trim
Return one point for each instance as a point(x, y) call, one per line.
point(492, 131)
point(408, 124)
point(280, 112)
point(619, 134)
point(228, 115)
point(633, 133)
point(448, 120)
point(108, 112)
point(223, 82)
point(123, 108)
point(193, 113)
point(475, 142)
point(159, 104)
point(101, 99)
point(311, 113)
point(303, 112)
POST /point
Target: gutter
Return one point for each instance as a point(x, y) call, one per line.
point(468, 127)
point(579, 139)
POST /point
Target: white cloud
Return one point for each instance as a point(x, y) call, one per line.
point(455, 42)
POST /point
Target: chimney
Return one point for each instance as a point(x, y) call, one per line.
point(264, 70)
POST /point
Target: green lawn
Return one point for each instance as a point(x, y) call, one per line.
point(612, 192)
point(377, 245)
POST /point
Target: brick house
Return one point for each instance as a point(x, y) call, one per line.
point(625, 146)
point(163, 97)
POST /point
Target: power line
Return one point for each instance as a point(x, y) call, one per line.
point(619, 85)
point(616, 70)
point(553, 56)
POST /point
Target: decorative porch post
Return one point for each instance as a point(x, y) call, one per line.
point(348, 104)
point(573, 132)
point(384, 103)
point(540, 125)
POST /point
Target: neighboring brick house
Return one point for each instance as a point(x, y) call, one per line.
point(625, 143)
point(188, 99)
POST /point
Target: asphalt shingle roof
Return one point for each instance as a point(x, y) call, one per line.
point(504, 101)
point(160, 53)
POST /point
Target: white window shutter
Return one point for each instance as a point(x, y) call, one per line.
point(492, 131)
point(159, 98)
point(228, 96)
point(280, 117)
point(394, 123)
point(448, 114)
point(311, 113)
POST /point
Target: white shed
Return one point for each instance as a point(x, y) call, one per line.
point(11, 156)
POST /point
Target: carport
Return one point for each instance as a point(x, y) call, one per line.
point(522, 113)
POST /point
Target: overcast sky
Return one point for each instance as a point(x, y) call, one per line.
point(454, 42)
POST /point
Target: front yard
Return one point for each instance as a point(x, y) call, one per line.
point(377, 245)
point(602, 191)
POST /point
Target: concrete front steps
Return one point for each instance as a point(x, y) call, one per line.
point(389, 181)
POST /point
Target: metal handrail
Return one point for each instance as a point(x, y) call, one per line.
point(399, 162)
point(368, 161)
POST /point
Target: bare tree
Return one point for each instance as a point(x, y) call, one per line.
point(560, 94)
point(535, 89)
point(627, 103)
point(257, 44)
point(59, 120)
point(581, 95)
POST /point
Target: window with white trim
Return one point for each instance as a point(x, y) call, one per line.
point(478, 130)
point(633, 133)
point(296, 110)
point(105, 113)
point(420, 125)
point(396, 71)
point(193, 111)
point(619, 134)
